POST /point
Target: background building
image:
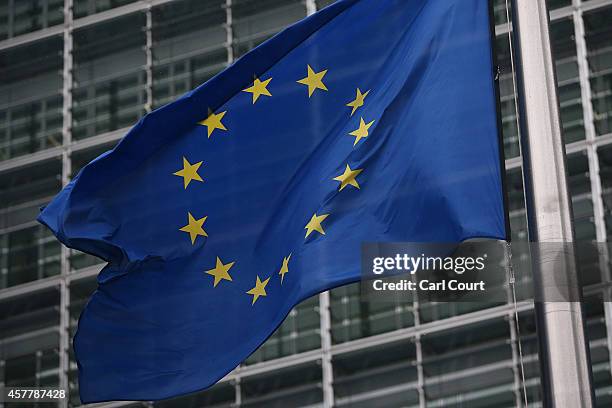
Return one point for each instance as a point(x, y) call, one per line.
point(76, 74)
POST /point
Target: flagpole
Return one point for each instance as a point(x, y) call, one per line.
point(564, 356)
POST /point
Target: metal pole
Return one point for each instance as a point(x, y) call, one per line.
point(564, 356)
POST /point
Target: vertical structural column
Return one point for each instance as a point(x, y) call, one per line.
point(326, 343)
point(149, 58)
point(595, 179)
point(564, 356)
point(589, 125)
point(416, 310)
point(311, 7)
point(229, 32)
point(67, 93)
point(64, 328)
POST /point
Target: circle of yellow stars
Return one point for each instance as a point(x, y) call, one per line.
point(314, 81)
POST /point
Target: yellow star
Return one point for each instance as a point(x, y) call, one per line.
point(194, 228)
point(221, 272)
point(358, 101)
point(315, 224)
point(362, 132)
point(259, 88)
point(314, 81)
point(348, 177)
point(284, 268)
point(189, 172)
point(259, 289)
point(213, 121)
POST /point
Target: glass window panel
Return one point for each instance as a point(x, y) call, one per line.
point(499, 11)
point(580, 190)
point(19, 17)
point(506, 95)
point(562, 36)
point(25, 314)
point(298, 333)
point(38, 369)
point(297, 386)
point(109, 76)
point(554, 4)
point(605, 172)
point(352, 317)
point(597, 336)
point(499, 8)
point(32, 253)
point(388, 370)
point(26, 17)
point(530, 363)
point(188, 46)
point(598, 35)
point(29, 339)
point(516, 204)
point(30, 98)
point(20, 371)
point(323, 3)
point(220, 395)
point(257, 20)
point(470, 365)
point(568, 81)
point(432, 311)
point(27, 184)
point(28, 249)
point(4, 20)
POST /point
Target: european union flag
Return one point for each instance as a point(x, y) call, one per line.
point(372, 120)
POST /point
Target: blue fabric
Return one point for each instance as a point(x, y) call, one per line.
point(157, 327)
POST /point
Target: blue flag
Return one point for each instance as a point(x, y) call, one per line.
point(372, 120)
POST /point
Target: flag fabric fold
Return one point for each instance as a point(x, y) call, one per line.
point(372, 120)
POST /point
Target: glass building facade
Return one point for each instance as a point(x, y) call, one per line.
point(76, 74)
